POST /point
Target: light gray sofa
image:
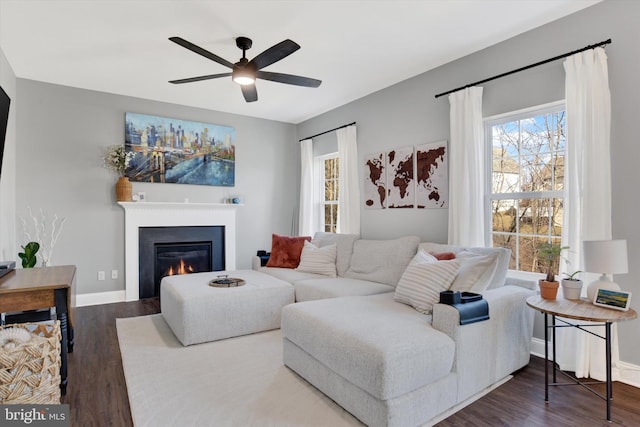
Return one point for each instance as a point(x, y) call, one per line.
point(364, 267)
point(385, 362)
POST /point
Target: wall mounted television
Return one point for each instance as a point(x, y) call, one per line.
point(5, 101)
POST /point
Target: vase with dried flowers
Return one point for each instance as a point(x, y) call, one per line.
point(117, 159)
point(42, 236)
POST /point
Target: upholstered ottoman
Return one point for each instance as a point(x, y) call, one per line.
point(197, 312)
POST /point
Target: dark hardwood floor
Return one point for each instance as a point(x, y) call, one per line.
point(97, 393)
point(96, 390)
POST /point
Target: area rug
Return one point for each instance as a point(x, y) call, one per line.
point(234, 382)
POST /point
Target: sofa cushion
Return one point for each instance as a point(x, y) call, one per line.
point(385, 348)
point(423, 280)
point(344, 244)
point(476, 271)
point(493, 279)
point(313, 289)
point(285, 251)
point(318, 260)
point(382, 261)
point(290, 275)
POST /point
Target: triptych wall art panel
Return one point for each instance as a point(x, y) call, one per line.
point(408, 178)
point(179, 151)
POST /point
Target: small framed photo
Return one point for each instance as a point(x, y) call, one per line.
point(616, 300)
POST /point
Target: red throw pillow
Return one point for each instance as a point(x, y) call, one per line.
point(285, 250)
point(443, 256)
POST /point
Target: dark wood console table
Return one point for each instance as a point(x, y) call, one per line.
point(38, 288)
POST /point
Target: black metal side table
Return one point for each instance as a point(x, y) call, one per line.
point(580, 310)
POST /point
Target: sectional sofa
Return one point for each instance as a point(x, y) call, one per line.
point(374, 348)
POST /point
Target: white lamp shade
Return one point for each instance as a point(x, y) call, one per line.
point(605, 256)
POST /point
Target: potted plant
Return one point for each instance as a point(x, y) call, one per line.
point(28, 257)
point(571, 286)
point(550, 254)
point(117, 158)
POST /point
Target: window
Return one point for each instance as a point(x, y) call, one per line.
point(525, 182)
point(328, 168)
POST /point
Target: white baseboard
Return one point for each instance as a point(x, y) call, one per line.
point(629, 373)
point(537, 347)
point(83, 300)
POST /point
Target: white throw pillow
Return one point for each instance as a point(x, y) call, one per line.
point(503, 257)
point(344, 243)
point(318, 260)
point(475, 271)
point(423, 280)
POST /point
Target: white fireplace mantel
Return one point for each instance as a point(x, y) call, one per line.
point(168, 214)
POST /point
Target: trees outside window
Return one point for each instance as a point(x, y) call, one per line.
point(525, 182)
point(330, 191)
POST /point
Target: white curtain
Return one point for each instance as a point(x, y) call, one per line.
point(587, 196)
point(307, 189)
point(466, 168)
point(348, 183)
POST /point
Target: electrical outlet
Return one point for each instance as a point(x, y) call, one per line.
point(101, 275)
point(114, 274)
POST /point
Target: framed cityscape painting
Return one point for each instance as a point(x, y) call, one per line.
point(179, 151)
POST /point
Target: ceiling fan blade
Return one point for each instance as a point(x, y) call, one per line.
point(197, 79)
point(250, 93)
point(288, 79)
point(200, 51)
point(275, 53)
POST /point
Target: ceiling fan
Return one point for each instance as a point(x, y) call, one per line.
point(245, 72)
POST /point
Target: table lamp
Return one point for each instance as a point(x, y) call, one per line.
point(607, 257)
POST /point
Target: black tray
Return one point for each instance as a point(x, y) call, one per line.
point(471, 306)
point(226, 282)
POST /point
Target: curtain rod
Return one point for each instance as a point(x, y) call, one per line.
point(327, 131)
point(546, 61)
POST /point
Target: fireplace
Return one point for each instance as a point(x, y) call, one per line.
point(172, 214)
point(165, 251)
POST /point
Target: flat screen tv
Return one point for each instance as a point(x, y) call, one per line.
point(5, 101)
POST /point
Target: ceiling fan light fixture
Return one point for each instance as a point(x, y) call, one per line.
point(244, 80)
point(243, 76)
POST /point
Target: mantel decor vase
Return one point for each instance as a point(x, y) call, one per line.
point(548, 290)
point(123, 189)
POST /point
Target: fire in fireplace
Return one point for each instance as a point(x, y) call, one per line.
point(166, 251)
point(181, 258)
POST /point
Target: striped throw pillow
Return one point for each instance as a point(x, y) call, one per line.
point(318, 260)
point(424, 279)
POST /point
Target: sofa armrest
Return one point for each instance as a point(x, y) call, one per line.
point(255, 262)
point(489, 350)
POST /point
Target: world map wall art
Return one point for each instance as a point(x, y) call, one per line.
point(178, 151)
point(408, 177)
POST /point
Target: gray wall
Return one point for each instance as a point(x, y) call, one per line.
point(62, 132)
point(407, 114)
point(8, 251)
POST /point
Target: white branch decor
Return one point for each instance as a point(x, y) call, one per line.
point(47, 230)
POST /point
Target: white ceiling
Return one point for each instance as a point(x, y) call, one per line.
point(354, 47)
